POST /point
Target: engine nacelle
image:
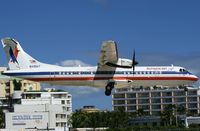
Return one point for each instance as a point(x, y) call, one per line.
point(122, 62)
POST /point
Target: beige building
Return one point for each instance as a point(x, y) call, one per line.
point(7, 88)
point(154, 101)
point(90, 109)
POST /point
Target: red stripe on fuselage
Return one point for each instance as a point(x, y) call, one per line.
point(114, 78)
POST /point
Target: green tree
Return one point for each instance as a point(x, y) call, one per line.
point(78, 119)
point(113, 120)
point(2, 119)
point(167, 116)
point(17, 84)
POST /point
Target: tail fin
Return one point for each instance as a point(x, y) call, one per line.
point(17, 58)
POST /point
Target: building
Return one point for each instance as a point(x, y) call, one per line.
point(90, 109)
point(154, 101)
point(41, 110)
point(190, 120)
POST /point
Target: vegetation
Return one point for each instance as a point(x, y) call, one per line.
point(120, 120)
point(115, 119)
point(2, 119)
point(17, 84)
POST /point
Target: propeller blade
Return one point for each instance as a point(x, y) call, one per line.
point(134, 62)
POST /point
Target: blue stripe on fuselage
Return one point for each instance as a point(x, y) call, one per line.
point(27, 73)
point(57, 73)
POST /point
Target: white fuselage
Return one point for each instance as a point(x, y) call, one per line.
point(89, 76)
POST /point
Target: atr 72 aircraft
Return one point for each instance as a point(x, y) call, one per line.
point(110, 72)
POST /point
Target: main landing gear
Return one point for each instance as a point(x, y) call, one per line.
point(108, 88)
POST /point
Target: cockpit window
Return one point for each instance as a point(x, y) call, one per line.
point(183, 70)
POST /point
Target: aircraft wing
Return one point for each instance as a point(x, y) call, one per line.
point(108, 54)
point(109, 59)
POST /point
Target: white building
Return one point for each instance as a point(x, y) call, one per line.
point(41, 110)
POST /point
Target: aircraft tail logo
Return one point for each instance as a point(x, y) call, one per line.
point(14, 54)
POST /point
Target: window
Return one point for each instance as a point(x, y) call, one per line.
point(143, 101)
point(131, 101)
point(85, 73)
point(30, 88)
point(68, 102)
point(155, 94)
point(131, 108)
point(156, 107)
point(119, 102)
point(75, 73)
point(119, 95)
point(183, 70)
point(131, 95)
point(155, 101)
point(63, 102)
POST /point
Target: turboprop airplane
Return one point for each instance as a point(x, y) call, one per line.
point(111, 71)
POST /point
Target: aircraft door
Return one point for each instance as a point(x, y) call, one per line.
point(52, 76)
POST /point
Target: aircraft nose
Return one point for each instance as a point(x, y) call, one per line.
point(195, 78)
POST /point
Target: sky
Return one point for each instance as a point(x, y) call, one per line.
point(163, 32)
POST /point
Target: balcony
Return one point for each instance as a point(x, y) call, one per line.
point(131, 95)
point(167, 100)
point(181, 99)
point(156, 107)
point(144, 107)
point(164, 94)
point(119, 102)
point(192, 105)
point(119, 96)
point(155, 101)
point(143, 95)
point(131, 101)
point(179, 93)
point(143, 101)
point(192, 93)
point(131, 108)
point(155, 94)
point(192, 99)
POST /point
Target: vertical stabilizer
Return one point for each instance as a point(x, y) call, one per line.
point(17, 58)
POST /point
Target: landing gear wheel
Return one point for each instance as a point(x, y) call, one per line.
point(108, 88)
point(107, 92)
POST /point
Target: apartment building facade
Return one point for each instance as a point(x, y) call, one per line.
point(154, 101)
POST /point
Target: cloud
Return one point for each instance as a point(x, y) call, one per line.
point(82, 91)
point(76, 91)
point(74, 63)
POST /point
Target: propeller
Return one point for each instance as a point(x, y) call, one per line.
point(134, 62)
